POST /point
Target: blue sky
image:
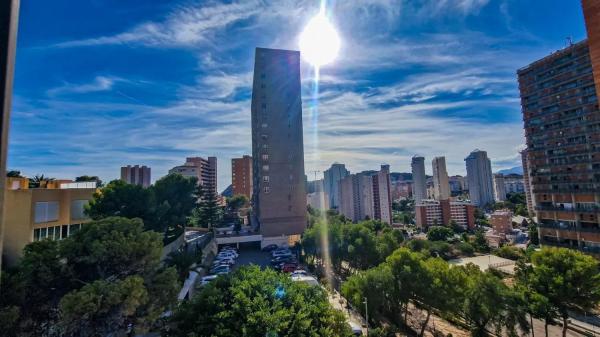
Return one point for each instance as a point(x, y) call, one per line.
point(101, 84)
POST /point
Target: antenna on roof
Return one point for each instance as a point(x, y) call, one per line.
point(569, 41)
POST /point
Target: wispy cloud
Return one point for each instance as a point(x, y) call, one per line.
point(100, 83)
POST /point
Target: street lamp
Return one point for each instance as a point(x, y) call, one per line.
point(366, 315)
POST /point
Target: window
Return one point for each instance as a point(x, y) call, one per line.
point(266, 189)
point(46, 211)
point(74, 228)
point(265, 167)
point(265, 157)
point(64, 231)
point(77, 209)
point(264, 125)
point(36, 234)
point(266, 179)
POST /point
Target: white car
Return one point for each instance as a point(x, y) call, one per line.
point(226, 256)
point(299, 272)
point(227, 261)
point(206, 279)
point(278, 253)
point(229, 252)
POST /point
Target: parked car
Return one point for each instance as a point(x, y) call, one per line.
point(277, 253)
point(299, 272)
point(219, 269)
point(206, 279)
point(229, 251)
point(227, 261)
point(226, 255)
point(289, 267)
point(282, 259)
point(269, 248)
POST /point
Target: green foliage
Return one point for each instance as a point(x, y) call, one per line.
point(480, 243)
point(90, 178)
point(207, 212)
point(175, 200)
point(252, 302)
point(533, 234)
point(465, 248)
point(14, 174)
point(237, 202)
point(96, 282)
point(510, 252)
point(37, 180)
point(182, 260)
point(561, 280)
point(362, 245)
point(439, 233)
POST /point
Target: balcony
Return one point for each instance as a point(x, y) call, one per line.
point(564, 227)
point(594, 209)
point(585, 249)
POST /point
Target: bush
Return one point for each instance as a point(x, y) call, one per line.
point(439, 233)
point(510, 252)
point(465, 248)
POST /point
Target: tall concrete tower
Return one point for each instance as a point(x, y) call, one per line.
point(419, 180)
point(479, 175)
point(441, 186)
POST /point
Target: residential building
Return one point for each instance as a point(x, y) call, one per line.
point(458, 185)
point(241, 176)
point(53, 211)
point(479, 177)
point(527, 184)
point(136, 175)
point(318, 200)
point(441, 186)
point(499, 187)
point(205, 170)
point(401, 189)
point(419, 179)
point(501, 221)
point(514, 183)
point(279, 190)
point(315, 186)
point(431, 212)
point(367, 195)
point(559, 98)
point(331, 183)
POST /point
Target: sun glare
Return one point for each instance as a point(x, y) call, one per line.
point(319, 42)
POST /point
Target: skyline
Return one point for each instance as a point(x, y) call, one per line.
point(164, 83)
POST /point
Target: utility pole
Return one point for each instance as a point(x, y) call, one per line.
point(366, 315)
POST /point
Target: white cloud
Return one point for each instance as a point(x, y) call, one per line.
point(100, 83)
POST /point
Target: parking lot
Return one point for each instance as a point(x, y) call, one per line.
point(252, 255)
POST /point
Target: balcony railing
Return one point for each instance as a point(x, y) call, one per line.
point(564, 227)
point(585, 249)
point(594, 209)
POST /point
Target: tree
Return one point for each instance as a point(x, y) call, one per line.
point(90, 178)
point(182, 260)
point(103, 279)
point(480, 243)
point(258, 303)
point(237, 202)
point(175, 201)
point(439, 233)
point(510, 252)
point(119, 198)
point(534, 238)
point(207, 212)
point(14, 174)
point(568, 279)
point(537, 305)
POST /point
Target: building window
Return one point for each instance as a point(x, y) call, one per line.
point(265, 167)
point(266, 189)
point(264, 125)
point(264, 137)
point(265, 157)
point(266, 179)
point(264, 105)
point(77, 209)
point(64, 231)
point(46, 211)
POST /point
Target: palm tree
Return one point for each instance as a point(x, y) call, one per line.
point(36, 181)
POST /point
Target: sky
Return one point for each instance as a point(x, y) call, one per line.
point(102, 84)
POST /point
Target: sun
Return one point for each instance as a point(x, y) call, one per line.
point(319, 42)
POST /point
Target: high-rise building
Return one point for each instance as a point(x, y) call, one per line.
point(136, 175)
point(458, 184)
point(367, 195)
point(431, 212)
point(53, 211)
point(205, 170)
point(559, 98)
point(241, 176)
point(331, 183)
point(527, 184)
point(499, 187)
point(279, 195)
point(441, 186)
point(514, 183)
point(419, 179)
point(479, 176)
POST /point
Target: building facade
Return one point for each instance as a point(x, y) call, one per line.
point(527, 184)
point(53, 211)
point(279, 195)
point(241, 176)
point(501, 221)
point(562, 129)
point(331, 183)
point(367, 196)
point(419, 179)
point(479, 176)
point(205, 170)
point(431, 212)
point(458, 185)
point(499, 187)
point(318, 200)
point(441, 186)
point(136, 175)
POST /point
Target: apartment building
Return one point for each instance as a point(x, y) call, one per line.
point(501, 221)
point(241, 176)
point(136, 175)
point(479, 176)
point(441, 186)
point(205, 170)
point(279, 187)
point(559, 98)
point(53, 211)
point(431, 212)
point(419, 179)
point(499, 187)
point(331, 183)
point(367, 195)
point(514, 183)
